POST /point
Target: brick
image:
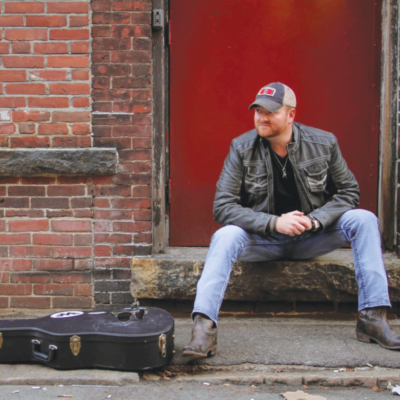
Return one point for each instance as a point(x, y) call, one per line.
point(135, 155)
point(131, 83)
point(138, 226)
point(23, 7)
point(15, 289)
point(4, 48)
point(71, 142)
point(80, 75)
point(59, 213)
point(120, 274)
point(30, 277)
point(14, 202)
point(28, 225)
point(113, 214)
point(11, 20)
point(83, 265)
point(134, 179)
point(69, 34)
point(30, 302)
point(71, 226)
point(27, 129)
point(72, 252)
point(81, 202)
point(111, 70)
point(138, 250)
point(143, 238)
point(21, 47)
point(79, 48)
point(30, 251)
point(4, 141)
point(102, 250)
point(100, 82)
point(15, 238)
point(101, 5)
point(52, 203)
point(102, 107)
point(113, 262)
point(34, 116)
point(52, 265)
point(102, 226)
point(113, 238)
point(141, 167)
point(111, 44)
point(2, 225)
point(7, 129)
point(141, 44)
point(25, 213)
point(73, 180)
point(102, 131)
point(50, 48)
point(26, 88)
point(130, 203)
point(141, 57)
point(80, 102)
point(81, 129)
point(29, 142)
point(12, 102)
point(133, 107)
point(48, 75)
point(52, 239)
point(111, 120)
point(111, 286)
point(4, 277)
point(121, 94)
point(69, 7)
point(133, 31)
point(26, 34)
point(100, 56)
point(102, 203)
point(46, 20)
point(75, 277)
point(61, 116)
point(78, 20)
point(114, 191)
point(141, 191)
point(53, 129)
point(53, 289)
point(73, 302)
point(14, 265)
point(131, 5)
point(83, 290)
point(100, 31)
point(68, 61)
point(3, 302)
point(110, 18)
point(122, 298)
point(66, 190)
point(83, 240)
point(118, 143)
point(38, 180)
point(100, 298)
point(69, 88)
point(48, 102)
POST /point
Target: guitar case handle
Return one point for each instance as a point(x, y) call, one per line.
point(41, 356)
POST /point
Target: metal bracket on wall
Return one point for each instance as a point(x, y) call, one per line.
point(158, 19)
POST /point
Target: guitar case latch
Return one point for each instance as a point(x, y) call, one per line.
point(75, 344)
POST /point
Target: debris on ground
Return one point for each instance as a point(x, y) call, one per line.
point(206, 384)
point(300, 395)
point(396, 390)
point(344, 370)
point(375, 389)
point(389, 386)
point(149, 376)
point(15, 391)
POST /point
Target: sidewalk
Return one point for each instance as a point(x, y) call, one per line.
point(269, 351)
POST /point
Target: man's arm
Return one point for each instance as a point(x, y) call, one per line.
point(227, 207)
point(347, 191)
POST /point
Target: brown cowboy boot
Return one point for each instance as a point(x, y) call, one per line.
point(372, 325)
point(204, 339)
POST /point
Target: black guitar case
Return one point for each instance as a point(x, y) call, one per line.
point(130, 339)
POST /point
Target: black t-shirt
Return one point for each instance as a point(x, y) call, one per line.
point(286, 196)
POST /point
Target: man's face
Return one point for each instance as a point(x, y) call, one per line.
point(269, 125)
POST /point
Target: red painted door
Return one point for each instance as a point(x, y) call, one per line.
point(224, 51)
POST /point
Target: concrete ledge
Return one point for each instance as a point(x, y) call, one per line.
point(174, 275)
point(88, 161)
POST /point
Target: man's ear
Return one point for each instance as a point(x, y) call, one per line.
point(292, 114)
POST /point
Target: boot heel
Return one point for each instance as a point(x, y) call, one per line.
point(212, 352)
point(363, 337)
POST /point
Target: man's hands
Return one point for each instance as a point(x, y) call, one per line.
point(293, 223)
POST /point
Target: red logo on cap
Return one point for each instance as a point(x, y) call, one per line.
point(267, 91)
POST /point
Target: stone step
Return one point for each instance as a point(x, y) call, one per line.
point(174, 275)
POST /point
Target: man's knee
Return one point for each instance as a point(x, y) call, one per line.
point(362, 218)
point(228, 234)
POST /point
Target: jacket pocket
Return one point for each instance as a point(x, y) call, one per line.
point(256, 178)
point(317, 176)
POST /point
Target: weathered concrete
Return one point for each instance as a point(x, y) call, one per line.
point(24, 374)
point(174, 275)
point(90, 161)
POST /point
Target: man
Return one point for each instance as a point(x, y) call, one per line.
point(286, 191)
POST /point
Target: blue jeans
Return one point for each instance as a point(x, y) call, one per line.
point(360, 228)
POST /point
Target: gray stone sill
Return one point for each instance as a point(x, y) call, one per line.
point(174, 275)
point(75, 161)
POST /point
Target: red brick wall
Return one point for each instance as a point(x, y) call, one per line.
point(65, 241)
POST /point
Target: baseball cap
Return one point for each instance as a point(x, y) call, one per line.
point(274, 96)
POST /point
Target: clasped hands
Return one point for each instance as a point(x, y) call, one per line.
point(293, 223)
